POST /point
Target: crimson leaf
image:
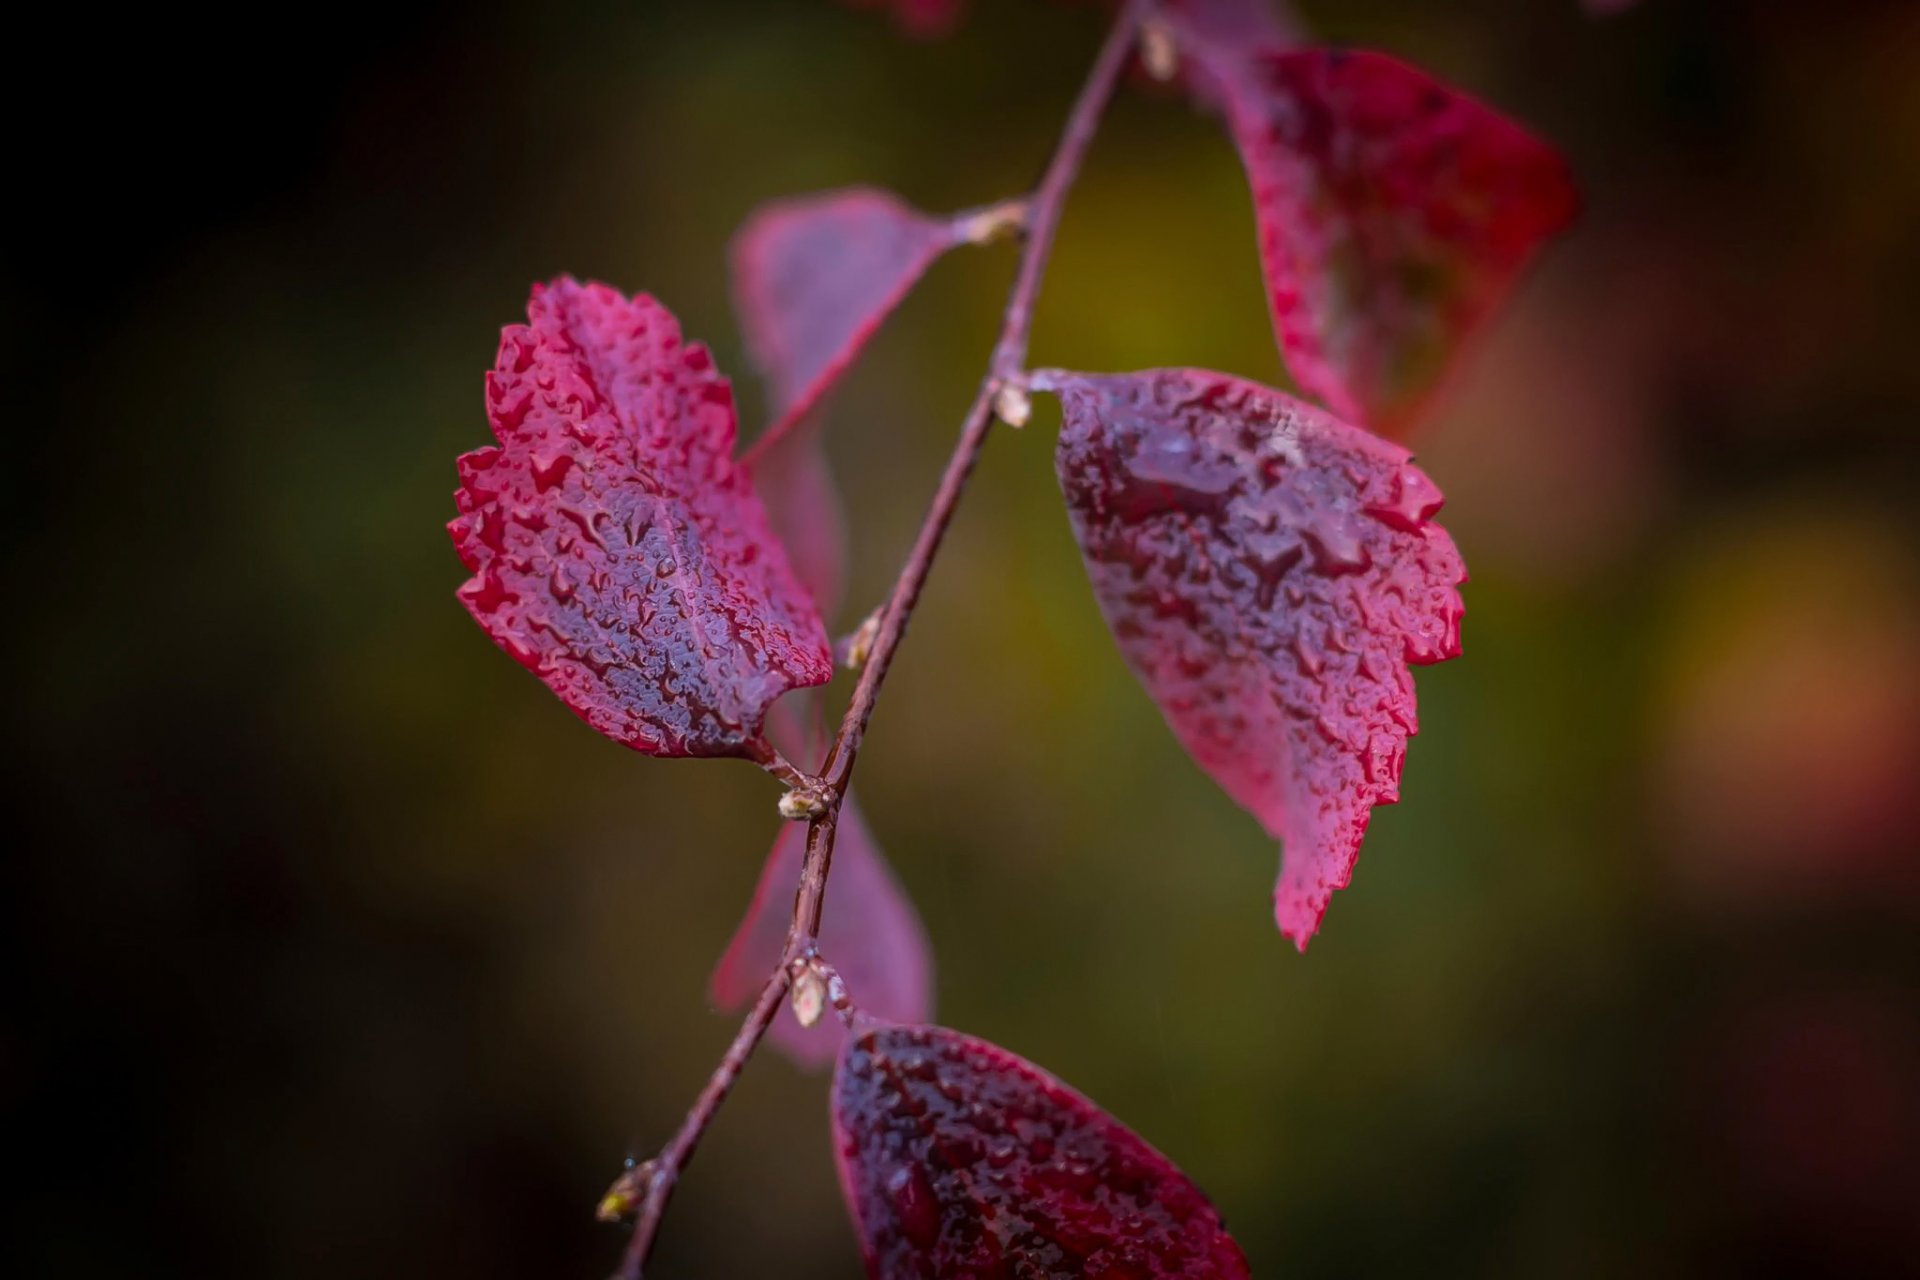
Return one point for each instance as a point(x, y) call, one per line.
point(814, 277)
point(958, 1158)
point(616, 551)
point(795, 481)
point(869, 932)
point(1268, 572)
point(1394, 213)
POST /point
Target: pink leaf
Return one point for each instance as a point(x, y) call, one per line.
point(869, 932)
point(1269, 573)
point(615, 550)
point(815, 276)
point(959, 1159)
point(1234, 24)
point(803, 503)
point(1394, 214)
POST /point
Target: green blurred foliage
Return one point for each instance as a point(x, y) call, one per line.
point(346, 949)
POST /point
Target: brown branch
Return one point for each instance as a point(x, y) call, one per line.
point(1005, 371)
point(1043, 217)
point(661, 1173)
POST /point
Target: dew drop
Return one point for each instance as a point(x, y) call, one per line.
point(1336, 548)
point(1415, 501)
point(914, 1206)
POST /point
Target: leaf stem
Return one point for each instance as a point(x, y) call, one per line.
point(1042, 219)
point(768, 757)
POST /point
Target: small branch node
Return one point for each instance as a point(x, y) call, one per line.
point(809, 995)
point(990, 223)
point(624, 1196)
point(1012, 405)
point(815, 985)
point(858, 647)
point(803, 804)
point(1159, 54)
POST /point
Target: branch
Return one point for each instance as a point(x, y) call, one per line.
point(659, 1175)
point(1010, 352)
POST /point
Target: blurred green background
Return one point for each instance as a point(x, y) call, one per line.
point(343, 949)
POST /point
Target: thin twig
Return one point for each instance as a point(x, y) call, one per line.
point(665, 1168)
point(1042, 219)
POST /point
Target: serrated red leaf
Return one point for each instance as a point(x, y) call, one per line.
point(958, 1158)
point(1394, 214)
point(1269, 573)
point(814, 277)
point(616, 551)
point(869, 932)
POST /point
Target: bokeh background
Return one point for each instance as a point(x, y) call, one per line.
point(341, 948)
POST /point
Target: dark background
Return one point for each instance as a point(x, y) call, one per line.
point(343, 949)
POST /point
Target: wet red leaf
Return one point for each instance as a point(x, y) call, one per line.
point(958, 1158)
point(869, 932)
point(616, 551)
point(1394, 213)
point(1269, 573)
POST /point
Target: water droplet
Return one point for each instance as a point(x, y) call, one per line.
point(1336, 548)
point(914, 1206)
point(1415, 501)
point(1311, 664)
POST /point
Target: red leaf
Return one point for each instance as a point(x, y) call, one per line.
point(869, 932)
point(920, 19)
point(959, 1159)
point(815, 276)
point(1394, 214)
point(803, 504)
point(616, 551)
point(1269, 572)
point(1234, 24)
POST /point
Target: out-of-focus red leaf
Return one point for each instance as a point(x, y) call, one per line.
point(1269, 573)
point(1234, 24)
point(869, 932)
point(958, 1158)
point(1394, 212)
point(616, 551)
point(921, 19)
point(814, 277)
point(795, 481)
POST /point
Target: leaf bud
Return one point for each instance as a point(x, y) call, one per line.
point(802, 804)
point(1012, 405)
